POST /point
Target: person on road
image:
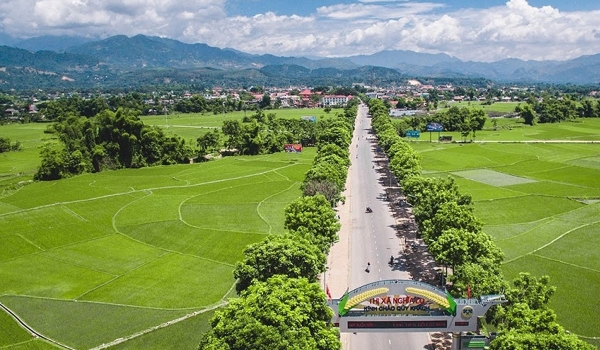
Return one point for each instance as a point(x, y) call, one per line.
point(392, 260)
point(368, 267)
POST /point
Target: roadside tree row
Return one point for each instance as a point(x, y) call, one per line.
point(280, 305)
point(454, 236)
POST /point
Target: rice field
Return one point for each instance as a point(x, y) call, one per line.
point(97, 257)
point(192, 125)
point(540, 203)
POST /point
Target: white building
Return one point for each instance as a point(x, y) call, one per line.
point(335, 100)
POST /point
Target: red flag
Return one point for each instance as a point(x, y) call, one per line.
point(328, 293)
point(468, 291)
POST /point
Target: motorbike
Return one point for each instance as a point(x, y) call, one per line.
point(369, 210)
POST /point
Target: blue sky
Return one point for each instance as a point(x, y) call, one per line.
point(484, 30)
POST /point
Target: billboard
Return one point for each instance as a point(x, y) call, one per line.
point(435, 127)
point(292, 147)
point(413, 133)
point(407, 306)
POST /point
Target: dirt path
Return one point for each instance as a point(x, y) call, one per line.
point(32, 331)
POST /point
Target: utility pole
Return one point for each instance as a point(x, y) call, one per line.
point(166, 117)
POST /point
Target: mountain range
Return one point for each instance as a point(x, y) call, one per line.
point(73, 61)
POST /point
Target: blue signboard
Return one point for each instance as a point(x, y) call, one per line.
point(413, 133)
point(435, 127)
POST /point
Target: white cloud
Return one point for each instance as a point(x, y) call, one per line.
point(378, 11)
point(26, 18)
point(515, 29)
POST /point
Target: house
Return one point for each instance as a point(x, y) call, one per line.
point(305, 93)
point(335, 100)
point(12, 114)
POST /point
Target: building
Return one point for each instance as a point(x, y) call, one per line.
point(335, 100)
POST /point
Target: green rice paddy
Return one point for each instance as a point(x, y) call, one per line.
point(98, 257)
point(539, 201)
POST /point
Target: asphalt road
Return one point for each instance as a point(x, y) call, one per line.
point(372, 237)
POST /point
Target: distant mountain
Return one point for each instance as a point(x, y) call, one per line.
point(143, 51)
point(326, 76)
point(146, 60)
point(398, 58)
point(51, 43)
point(47, 60)
point(7, 40)
point(148, 52)
point(582, 70)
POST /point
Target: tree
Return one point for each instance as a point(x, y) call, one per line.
point(534, 292)
point(527, 113)
point(526, 321)
point(587, 109)
point(450, 215)
point(415, 123)
point(427, 195)
point(405, 165)
point(327, 188)
point(458, 246)
point(398, 147)
point(465, 130)
point(209, 142)
point(265, 102)
point(233, 130)
point(52, 165)
point(286, 255)
point(336, 135)
point(4, 144)
point(313, 218)
point(332, 149)
point(109, 139)
point(515, 340)
point(279, 314)
point(482, 277)
point(327, 171)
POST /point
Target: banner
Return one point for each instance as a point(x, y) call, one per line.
point(292, 147)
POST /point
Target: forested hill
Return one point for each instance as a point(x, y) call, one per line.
point(122, 61)
point(25, 70)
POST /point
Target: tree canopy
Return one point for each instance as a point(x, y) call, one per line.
point(311, 217)
point(280, 313)
point(286, 255)
point(109, 140)
point(527, 322)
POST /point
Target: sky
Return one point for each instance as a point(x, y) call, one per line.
point(477, 30)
